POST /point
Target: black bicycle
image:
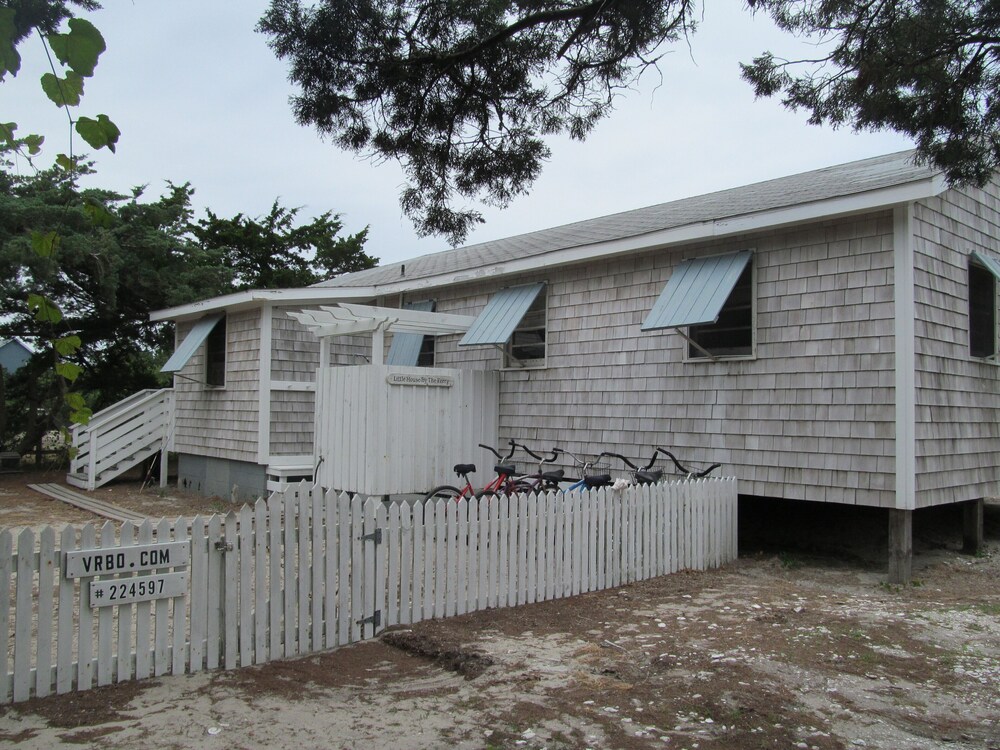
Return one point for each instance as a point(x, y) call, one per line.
point(541, 481)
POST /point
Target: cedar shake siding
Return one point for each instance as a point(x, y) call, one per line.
point(294, 359)
point(202, 409)
point(810, 417)
point(292, 417)
point(958, 396)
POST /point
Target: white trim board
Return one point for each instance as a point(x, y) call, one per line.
point(906, 358)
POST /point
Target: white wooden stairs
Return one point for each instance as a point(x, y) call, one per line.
point(121, 436)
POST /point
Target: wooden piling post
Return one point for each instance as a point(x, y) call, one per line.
point(972, 526)
point(900, 546)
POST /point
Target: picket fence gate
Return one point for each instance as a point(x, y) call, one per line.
point(307, 571)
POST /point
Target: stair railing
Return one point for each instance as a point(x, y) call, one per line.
point(115, 435)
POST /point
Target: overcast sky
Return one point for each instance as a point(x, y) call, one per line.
point(200, 98)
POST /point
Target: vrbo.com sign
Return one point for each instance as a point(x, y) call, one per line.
point(141, 558)
point(109, 560)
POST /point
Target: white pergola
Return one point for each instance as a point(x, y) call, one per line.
point(346, 319)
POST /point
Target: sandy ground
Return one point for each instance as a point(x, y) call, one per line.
point(781, 649)
point(20, 507)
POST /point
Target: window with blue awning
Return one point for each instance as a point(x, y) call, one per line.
point(194, 339)
point(406, 347)
point(697, 291)
point(502, 314)
point(713, 298)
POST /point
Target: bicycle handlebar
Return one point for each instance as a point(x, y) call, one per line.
point(496, 453)
point(526, 449)
point(628, 463)
point(586, 465)
point(557, 451)
point(684, 469)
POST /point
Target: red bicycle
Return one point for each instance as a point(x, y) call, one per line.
point(502, 484)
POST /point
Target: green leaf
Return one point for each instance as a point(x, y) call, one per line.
point(45, 245)
point(98, 133)
point(81, 416)
point(65, 92)
point(80, 48)
point(67, 346)
point(98, 213)
point(75, 400)
point(69, 370)
point(45, 311)
point(34, 143)
point(10, 60)
point(65, 162)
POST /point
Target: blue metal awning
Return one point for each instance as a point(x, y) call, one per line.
point(501, 315)
point(697, 291)
point(405, 349)
point(196, 336)
point(988, 263)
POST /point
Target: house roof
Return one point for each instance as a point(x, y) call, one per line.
point(14, 353)
point(854, 187)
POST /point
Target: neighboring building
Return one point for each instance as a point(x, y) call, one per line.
point(14, 353)
point(829, 337)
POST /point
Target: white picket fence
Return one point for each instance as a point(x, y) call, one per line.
point(304, 572)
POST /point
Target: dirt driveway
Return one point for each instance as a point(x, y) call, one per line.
point(778, 650)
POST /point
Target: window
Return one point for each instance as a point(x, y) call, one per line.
point(514, 321)
point(710, 301)
point(425, 357)
point(215, 355)
point(413, 349)
point(732, 334)
point(982, 311)
point(192, 342)
point(526, 347)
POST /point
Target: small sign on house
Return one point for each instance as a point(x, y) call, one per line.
point(425, 381)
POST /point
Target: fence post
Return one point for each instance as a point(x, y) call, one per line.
point(64, 649)
point(22, 624)
point(48, 569)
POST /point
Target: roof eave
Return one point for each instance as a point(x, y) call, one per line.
point(229, 303)
point(829, 208)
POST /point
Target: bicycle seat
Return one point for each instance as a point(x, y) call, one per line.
point(555, 477)
point(463, 469)
point(505, 469)
point(597, 480)
point(648, 477)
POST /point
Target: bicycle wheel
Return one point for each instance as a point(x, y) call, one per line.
point(444, 492)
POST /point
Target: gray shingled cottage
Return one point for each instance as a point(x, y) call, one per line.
point(827, 337)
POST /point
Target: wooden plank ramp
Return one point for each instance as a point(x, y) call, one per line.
point(89, 504)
